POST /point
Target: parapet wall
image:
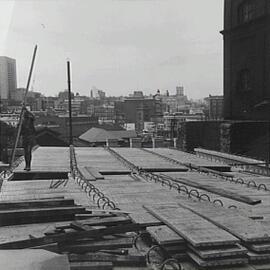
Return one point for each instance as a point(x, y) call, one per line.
point(250, 138)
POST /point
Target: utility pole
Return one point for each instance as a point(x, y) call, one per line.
point(69, 104)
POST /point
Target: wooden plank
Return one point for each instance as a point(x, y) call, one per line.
point(93, 233)
point(220, 191)
point(145, 219)
point(117, 260)
point(261, 266)
point(231, 220)
point(44, 203)
point(79, 227)
point(91, 266)
point(259, 247)
point(115, 172)
point(258, 257)
point(193, 228)
point(220, 252)
point(24, 216)
point(193, 266)
point(164, 235)
point(38, 175)
point(106, 221)
point(92, 246)
point(217, 262)
point(175, 249)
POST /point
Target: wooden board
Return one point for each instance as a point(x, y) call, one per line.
point(91, 266)
point(145, 219)
point(192, 266)
point(164, 235)
point(45, 203)
point(263, 247)
point(92, 233)
point(38, 175)
point(92, 246)
point(106, 221)
point(244, 228)
point(258, 257)
point(217, 262)
point(117, 260)
point(220, 191)
point(220, 252)
point(24, 216)
point(193, 228)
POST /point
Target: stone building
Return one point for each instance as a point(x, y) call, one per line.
point(247, 59)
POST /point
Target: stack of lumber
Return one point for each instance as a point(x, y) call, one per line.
point(37, 211)
point(91, 240)
point(208, 245)
point(254, 235)
point(173, 244)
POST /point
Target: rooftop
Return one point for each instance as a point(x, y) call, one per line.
point(90, 203)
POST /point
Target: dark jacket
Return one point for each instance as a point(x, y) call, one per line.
point(28, 129)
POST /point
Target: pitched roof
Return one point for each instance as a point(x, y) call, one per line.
point(101, 135)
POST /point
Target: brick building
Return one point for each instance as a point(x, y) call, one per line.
point(138, 110)
point(247, 59)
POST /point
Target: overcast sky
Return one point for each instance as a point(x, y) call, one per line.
point(116, 45)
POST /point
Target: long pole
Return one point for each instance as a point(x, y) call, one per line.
point(69, 104)
point(22, 111)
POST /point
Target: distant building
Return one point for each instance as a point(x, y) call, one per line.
point(174, 103)
point(62, 96)
point(173, 121)
point(104, 113)
point(215, 105)
point(180, 90)
point(8, 77)
point(247, 59)
point(60, 124)
point(17, 95)
point(97, 93)
point(137, 109)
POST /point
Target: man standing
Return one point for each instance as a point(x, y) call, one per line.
point(28, 137)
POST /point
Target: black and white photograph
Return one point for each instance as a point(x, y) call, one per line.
point(134, 134)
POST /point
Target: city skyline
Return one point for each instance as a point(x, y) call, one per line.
point(117, 46)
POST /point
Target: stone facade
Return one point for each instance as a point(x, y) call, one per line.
point(247, 59)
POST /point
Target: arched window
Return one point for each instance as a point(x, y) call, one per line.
point(246, 11)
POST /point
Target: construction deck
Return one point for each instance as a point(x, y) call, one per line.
point(200, 218)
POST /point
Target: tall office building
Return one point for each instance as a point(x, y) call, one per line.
point(8, 77)
point(247, 59)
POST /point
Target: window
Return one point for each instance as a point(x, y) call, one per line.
point(244, 80)
point(246, 11)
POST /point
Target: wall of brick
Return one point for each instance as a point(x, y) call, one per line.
point(250, 138)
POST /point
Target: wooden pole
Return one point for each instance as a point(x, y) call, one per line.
point(23, 104)
point(69, 104)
